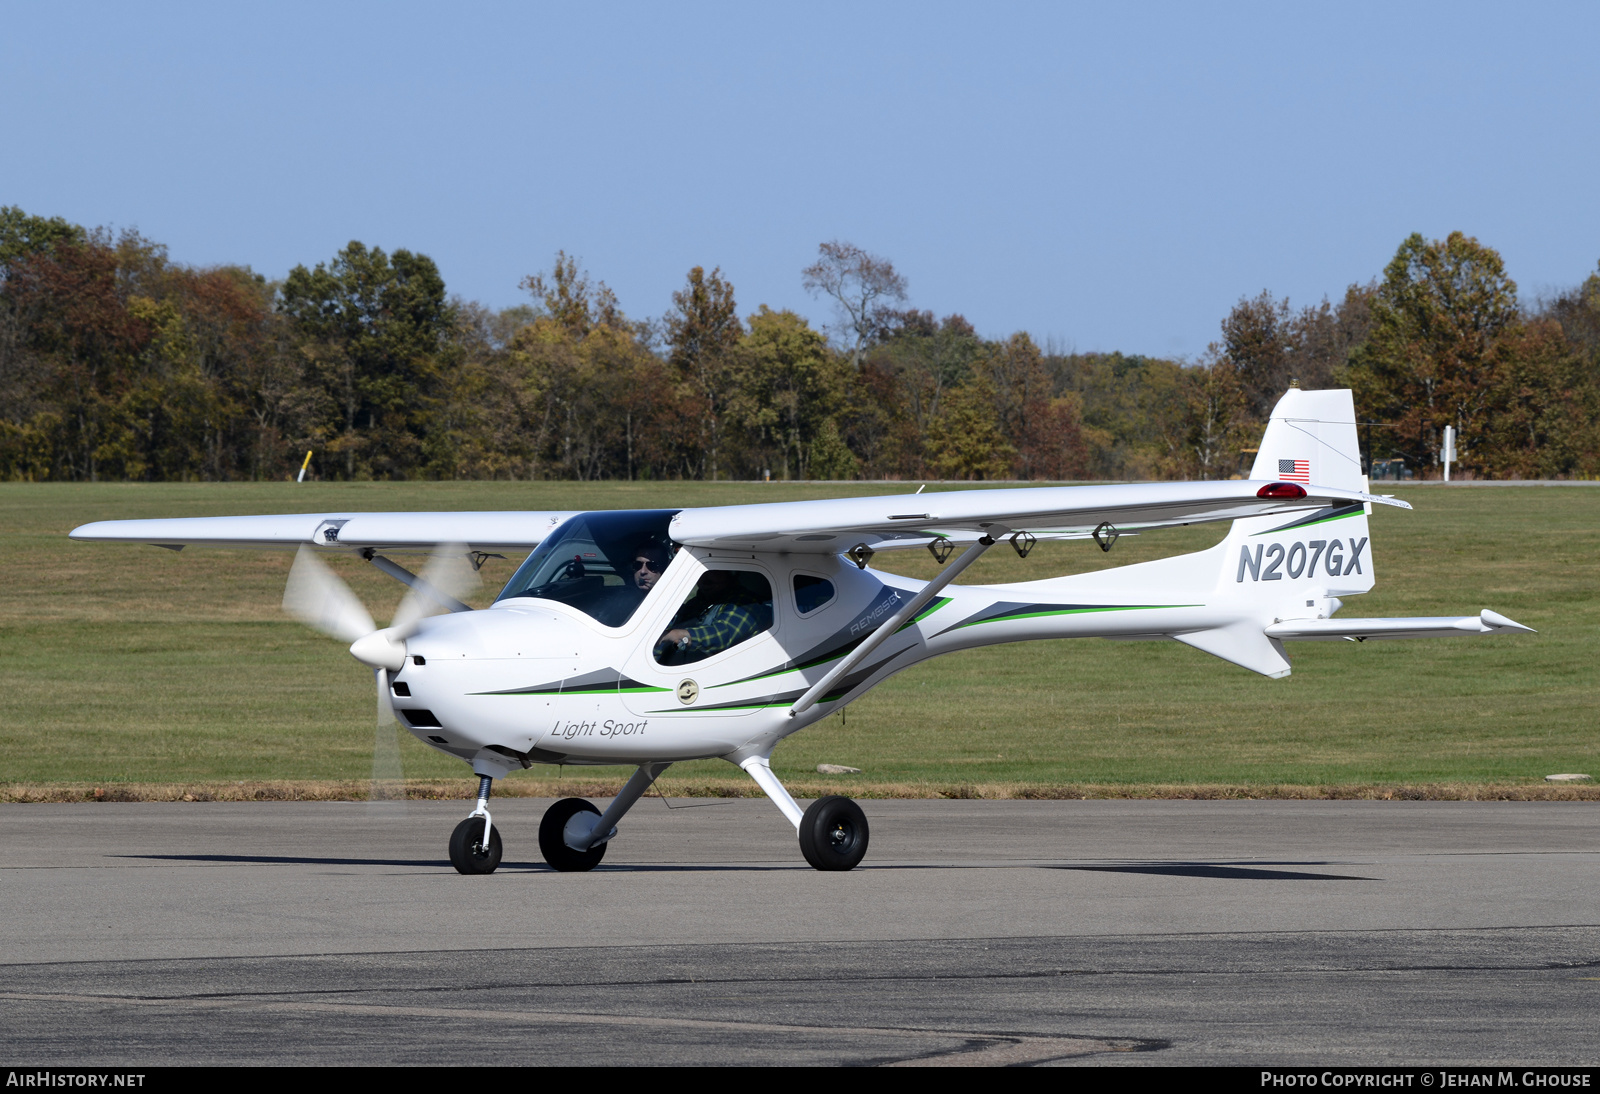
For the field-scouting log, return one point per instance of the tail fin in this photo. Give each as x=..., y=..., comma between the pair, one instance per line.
x=1311, y=439
x=1294, y=567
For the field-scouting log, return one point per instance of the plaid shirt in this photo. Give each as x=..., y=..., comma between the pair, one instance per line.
x=721, y=626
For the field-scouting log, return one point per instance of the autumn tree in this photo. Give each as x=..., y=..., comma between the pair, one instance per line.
x=1041, y=426
x=1431, y=359
x=1542, y=410
x=592, y=401
x=863, y=286
x=1266, y=344
x=23, y=238
x=1131, y=405
x=79, y=350
x=1213, y=423
x=915, y=362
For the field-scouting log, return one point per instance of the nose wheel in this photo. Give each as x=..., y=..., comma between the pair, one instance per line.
x=833, y=833
x=468, y=852
x=475, y=844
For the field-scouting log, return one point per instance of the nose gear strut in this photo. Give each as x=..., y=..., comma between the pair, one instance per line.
x=475, y=844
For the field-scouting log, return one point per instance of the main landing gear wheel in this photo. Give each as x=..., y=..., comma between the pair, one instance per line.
x=833, y=833
x=554, y=847
x=467, y=852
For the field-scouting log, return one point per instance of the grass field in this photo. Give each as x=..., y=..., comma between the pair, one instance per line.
x=125, y=666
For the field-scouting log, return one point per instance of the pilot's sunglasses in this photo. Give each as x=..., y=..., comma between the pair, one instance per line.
x=645, y=564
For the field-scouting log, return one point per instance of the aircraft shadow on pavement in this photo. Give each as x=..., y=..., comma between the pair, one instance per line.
x=420, y=863
x=1224, y=871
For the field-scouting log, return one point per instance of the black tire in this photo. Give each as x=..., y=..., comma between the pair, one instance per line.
x=555, y=849
x=467, y=852
x=833, y=834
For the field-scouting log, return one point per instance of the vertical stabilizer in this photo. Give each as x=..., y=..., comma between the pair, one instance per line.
x=1292, y=566
x=1286, y=561
x=1311, y=438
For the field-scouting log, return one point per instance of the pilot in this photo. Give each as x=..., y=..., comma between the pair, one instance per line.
x=719, y=616
x=649, y=563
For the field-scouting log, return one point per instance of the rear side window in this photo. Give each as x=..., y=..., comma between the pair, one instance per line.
x=811, y=593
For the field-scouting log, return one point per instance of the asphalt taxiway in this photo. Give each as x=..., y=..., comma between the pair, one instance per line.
x=1084, y=932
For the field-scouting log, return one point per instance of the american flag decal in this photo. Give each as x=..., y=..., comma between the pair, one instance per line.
x=1295, y=471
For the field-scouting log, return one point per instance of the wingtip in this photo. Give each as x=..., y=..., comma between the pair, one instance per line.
x=1499, y=622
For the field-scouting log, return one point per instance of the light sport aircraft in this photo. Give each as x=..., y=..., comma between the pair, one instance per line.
x=767, y=618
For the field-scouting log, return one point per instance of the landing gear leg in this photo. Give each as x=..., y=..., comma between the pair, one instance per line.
x=475, y=844
x=833, y=831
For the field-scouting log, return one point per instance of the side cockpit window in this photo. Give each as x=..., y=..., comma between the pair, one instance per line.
x=811, y=593
x=725, y=608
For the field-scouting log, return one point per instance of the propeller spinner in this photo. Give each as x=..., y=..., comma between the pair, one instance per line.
x=318, y=598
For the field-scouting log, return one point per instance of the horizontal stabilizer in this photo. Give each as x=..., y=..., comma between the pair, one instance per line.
x=1360, y=630
x=1243, y=644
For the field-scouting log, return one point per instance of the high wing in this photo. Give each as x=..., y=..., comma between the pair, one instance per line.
x=813, y=527
x=827, y=527
x=491, y=531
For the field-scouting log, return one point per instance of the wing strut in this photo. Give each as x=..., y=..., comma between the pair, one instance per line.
x=421, y=584
x=892, y=624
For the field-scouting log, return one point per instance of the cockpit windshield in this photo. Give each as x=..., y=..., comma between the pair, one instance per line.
x=602, y=564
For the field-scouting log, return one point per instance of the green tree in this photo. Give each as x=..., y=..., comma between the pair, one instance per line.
x=789, y=386
x=966, y=439
x=373, y=328
x=831, y=458
x=22, y=236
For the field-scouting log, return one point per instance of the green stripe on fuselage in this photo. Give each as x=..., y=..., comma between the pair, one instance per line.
x=1313, y=523
x=1073, y=611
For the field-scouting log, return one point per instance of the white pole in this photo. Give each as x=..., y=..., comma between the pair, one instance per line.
x=1449, y=453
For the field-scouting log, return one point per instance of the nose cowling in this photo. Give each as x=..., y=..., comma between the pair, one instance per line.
x=385, y=649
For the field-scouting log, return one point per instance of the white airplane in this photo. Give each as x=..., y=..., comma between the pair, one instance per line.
x=645, y=637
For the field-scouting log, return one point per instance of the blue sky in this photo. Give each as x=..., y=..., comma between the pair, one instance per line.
x=1107, y=176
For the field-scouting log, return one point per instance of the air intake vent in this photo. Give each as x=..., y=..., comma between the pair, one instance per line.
x=420, y=719
x=400, y=687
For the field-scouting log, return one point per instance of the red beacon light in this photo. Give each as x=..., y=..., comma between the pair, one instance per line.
x=1287, y=490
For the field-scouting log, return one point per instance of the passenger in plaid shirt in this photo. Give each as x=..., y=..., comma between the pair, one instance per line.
x=718, y=618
